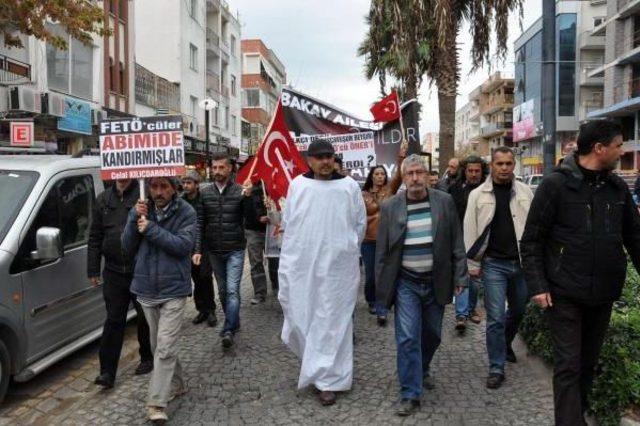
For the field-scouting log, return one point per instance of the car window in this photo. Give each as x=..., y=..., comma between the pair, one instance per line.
x=535, y=180
x=67, y=206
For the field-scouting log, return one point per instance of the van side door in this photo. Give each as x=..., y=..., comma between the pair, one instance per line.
x=60, y=303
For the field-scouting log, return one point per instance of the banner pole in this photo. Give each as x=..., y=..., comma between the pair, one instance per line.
x=143, y=195
x=401, y=122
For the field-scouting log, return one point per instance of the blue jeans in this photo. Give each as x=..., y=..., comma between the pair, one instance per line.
x=227, y=268
x=467, y=301
x=418, y=319
x=503, y=282
x=368, y=252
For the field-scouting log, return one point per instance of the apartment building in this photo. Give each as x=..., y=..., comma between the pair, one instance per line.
x=263, y=76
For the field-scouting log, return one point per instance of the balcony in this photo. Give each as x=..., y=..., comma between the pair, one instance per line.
x=213, y=81
x=497, y=103
x=588, y=41
x=13, y=71
x=213, y=42
x=493, y=129
x=589, y=106
x=625, y=91
x=587, y=79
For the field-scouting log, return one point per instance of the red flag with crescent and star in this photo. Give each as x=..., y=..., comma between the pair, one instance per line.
x=388, y=109
x=278, y=160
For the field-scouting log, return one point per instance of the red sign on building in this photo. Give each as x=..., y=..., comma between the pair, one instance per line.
x=21, y=134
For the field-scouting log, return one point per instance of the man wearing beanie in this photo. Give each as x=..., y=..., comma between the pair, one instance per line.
x=161, y=235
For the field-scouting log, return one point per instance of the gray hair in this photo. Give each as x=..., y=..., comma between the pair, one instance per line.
x=411, y=160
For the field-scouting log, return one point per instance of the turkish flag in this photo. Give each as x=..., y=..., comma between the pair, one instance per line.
x=388, y=109
x=243, y=173
x=278, y=160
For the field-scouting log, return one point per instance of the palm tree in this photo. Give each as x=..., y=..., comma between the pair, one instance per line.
x=411, y=39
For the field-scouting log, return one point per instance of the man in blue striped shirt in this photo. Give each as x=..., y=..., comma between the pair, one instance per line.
x=420, y=262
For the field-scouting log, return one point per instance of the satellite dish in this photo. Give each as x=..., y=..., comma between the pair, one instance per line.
x=208, y=104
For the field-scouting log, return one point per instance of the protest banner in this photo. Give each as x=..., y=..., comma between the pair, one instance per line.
x=308, y=118
x=357, y=150
x=141, y=147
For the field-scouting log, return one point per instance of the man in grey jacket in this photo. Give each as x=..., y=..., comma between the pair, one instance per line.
x=161, y=235
x=420, y=263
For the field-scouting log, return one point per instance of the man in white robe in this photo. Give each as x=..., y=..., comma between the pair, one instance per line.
x=324, y=222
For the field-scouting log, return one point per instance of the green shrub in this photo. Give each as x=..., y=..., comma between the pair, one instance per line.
x=617, y=384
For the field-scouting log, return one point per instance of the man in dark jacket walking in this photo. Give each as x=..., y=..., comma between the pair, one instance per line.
x=109, y=218
x=581, y=219
x=224, y=205
x=201, y=266
x=161, y=236
x=473, y=171
x=255, y=228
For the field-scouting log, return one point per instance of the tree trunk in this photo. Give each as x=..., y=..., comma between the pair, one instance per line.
x=447, y=110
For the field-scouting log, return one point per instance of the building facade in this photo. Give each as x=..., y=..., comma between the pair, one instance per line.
x=620, y=28
x=431, y=145
x=66, y=92
x=579, y=52
x=263, y=76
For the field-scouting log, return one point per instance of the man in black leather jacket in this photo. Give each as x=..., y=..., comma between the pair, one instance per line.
x=581, y=220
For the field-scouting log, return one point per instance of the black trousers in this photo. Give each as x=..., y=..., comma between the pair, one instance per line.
x=203, y=295
x=273, y=263
x=578, y=331
x=117, y=297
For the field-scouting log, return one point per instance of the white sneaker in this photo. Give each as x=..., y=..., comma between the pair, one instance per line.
x=157, y=414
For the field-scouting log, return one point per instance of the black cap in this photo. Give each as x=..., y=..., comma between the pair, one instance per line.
x=320, y=147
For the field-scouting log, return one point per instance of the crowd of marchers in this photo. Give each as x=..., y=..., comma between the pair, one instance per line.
x=423, y=242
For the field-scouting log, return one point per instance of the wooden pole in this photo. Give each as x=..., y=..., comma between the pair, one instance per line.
x=143, y=195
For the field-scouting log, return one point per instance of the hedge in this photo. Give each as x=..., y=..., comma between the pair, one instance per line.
x=616, y=387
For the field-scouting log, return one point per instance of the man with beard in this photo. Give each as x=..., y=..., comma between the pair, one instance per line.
x=225, y=206
x=324, y=223
x=473, y=173
x=109, y=218
x=582, y=218
x=201, y=269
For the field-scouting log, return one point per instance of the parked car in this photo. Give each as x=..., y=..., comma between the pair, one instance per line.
x=48, y=308
x=533, y=181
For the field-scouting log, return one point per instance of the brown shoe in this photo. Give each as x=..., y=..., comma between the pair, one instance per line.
x=475, y=317
x=327, y=398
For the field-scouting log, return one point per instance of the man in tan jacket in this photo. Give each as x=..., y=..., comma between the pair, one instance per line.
x=493, y=225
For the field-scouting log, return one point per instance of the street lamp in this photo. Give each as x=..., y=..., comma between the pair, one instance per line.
x=207, y=105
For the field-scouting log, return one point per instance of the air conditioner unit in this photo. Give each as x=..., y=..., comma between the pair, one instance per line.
x=22, y=98
x=98, y=115
x=53, y=104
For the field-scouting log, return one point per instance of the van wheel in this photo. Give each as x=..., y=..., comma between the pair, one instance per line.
x=5, y=370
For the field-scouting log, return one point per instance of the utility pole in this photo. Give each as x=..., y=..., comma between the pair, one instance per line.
x=548, y=104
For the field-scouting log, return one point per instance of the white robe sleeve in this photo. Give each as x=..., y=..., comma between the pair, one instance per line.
x=360, y=213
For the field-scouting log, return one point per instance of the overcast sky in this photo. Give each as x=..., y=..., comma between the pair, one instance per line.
x=317, y=42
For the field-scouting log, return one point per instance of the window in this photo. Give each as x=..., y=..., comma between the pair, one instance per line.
x=193, y=9
x=598, y=21
x=226, y=118
x=233, y=46
x=566, y=71
x=216, y=115
x=233, y=85
x=68, y=207
x=233, y=125
x=194, y=105
x=193, y=57
x=70, y=71
x=251, y=98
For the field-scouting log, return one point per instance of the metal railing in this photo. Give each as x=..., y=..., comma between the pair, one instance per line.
x=12, y=70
